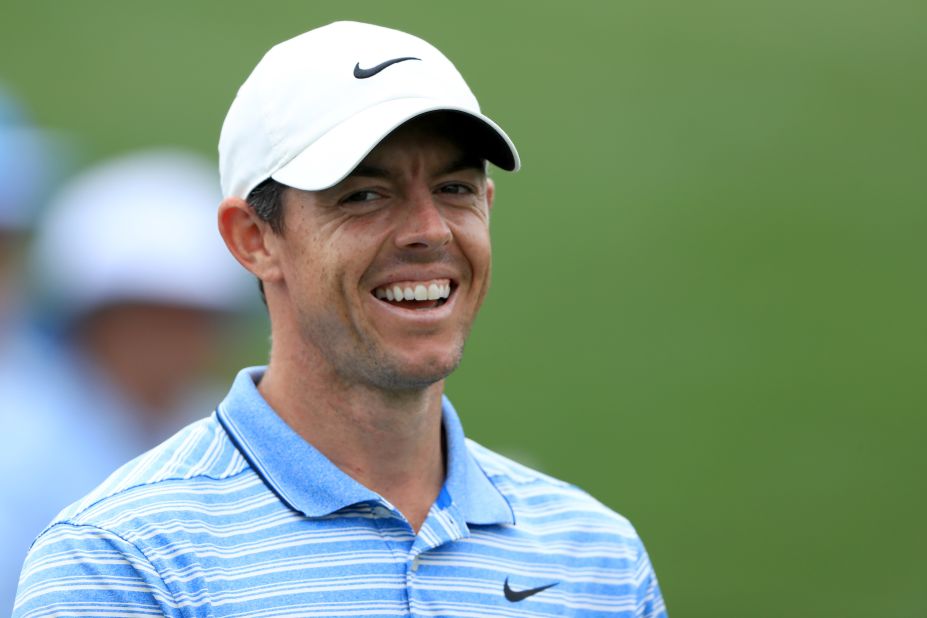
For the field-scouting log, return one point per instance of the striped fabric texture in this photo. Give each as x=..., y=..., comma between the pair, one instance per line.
x=238, y=516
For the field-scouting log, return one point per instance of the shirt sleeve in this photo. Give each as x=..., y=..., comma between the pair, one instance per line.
x=87, y=571
x=649, y=598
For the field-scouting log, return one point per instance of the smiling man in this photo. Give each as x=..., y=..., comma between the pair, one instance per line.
x=337, y=480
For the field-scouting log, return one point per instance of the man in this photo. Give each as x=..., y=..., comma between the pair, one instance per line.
x=338, y=481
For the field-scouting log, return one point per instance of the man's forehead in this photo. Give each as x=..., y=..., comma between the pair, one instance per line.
x=390, y=168
x=444, y=142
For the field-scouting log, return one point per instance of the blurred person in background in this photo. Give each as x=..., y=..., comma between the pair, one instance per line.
x=27, y=164
x=29, y=161
x=134, y=283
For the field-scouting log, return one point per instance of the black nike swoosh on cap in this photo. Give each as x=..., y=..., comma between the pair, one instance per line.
x=360, y=73
x=520, y=595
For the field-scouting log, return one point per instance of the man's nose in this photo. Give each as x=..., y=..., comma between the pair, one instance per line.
x=423, y=225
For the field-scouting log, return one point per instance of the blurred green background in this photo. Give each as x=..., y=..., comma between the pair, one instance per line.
x=709, y=297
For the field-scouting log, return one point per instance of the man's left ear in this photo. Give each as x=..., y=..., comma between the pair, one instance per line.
x=490, y=192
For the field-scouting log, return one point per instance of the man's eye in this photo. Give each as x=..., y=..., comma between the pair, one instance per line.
x=361, y=196
x=455, y=188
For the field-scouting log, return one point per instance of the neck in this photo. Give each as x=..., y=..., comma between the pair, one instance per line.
x=388, y=441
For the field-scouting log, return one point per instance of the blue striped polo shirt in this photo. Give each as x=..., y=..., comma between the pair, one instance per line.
x=237, y=515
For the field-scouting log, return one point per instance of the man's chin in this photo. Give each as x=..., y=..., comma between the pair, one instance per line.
x=418, y=380
x=417, y=373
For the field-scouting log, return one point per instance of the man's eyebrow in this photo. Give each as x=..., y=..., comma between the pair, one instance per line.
x=466, y=162
x=369, y=171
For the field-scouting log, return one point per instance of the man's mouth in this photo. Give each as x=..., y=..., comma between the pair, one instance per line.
x=415, y=294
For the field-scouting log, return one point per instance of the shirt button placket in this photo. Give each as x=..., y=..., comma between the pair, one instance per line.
x=411, y=571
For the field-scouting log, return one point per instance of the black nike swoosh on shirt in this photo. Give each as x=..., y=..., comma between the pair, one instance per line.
x=520, y=595
x=360, y=73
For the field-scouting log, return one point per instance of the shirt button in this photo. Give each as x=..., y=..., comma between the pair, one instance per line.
x=415, y=563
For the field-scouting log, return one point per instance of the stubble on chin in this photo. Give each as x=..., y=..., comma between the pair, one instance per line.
x=388, y=373
x=354, y=361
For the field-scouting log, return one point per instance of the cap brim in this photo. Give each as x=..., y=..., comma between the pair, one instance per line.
x=336, y=153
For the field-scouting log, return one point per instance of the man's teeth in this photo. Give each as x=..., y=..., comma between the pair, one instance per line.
x=424, y=290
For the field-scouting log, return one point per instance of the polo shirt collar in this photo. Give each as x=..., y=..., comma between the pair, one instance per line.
x=470, y=489
x=308, y=482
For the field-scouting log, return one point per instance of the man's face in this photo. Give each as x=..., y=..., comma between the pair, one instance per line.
x=384, y=273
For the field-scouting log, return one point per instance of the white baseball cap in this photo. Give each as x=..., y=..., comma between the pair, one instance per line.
x=317, y=104
x=138, y=228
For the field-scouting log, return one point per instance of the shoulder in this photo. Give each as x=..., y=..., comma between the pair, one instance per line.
x=541, y=499
x=120, y=546
x=559, y=522
x=195, y=463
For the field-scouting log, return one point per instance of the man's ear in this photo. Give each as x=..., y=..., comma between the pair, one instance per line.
x=490, y=192
x=247, y=238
